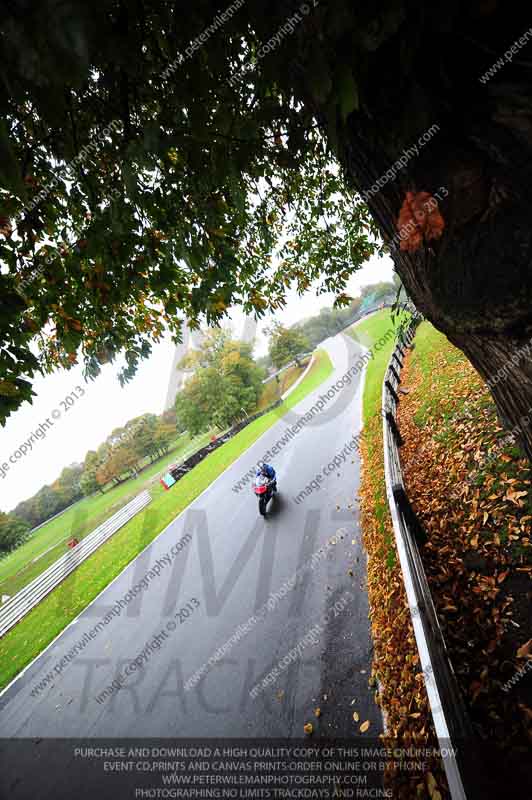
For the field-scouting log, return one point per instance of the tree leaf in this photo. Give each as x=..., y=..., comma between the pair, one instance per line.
x=348, y=99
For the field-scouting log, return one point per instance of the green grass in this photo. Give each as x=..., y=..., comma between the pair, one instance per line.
x=19, y=567
x=369, y=332
x=428, y=342
x=49, y=618
x=273, y=390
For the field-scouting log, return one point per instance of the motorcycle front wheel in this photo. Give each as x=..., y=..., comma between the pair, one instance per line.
x=262, y=506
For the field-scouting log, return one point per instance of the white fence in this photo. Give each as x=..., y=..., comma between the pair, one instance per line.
x=22, y=602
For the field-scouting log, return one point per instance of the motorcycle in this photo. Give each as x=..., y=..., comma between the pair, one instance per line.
x=264, y=488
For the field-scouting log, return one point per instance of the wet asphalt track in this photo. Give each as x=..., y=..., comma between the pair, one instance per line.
x=230, y=566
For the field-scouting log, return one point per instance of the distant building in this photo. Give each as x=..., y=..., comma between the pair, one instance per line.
x=250, y=330
x=191, y=340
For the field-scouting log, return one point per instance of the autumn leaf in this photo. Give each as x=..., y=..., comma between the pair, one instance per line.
x=433, y=787
x=365, y=726
x=6, y=228
x=8, y=388
x=525, y=650
x=308, y=728
x=356, y=716
x=514, y=496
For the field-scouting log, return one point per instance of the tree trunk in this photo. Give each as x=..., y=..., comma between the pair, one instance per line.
x=474, y=283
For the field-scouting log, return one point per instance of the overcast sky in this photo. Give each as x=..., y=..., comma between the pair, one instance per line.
x=105, y=405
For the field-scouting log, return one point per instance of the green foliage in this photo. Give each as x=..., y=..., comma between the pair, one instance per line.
x=139, y=435
x=124, y=451
x=286, y=344
x=48, y=544
x=265, y=364
x=226, y=383
x=123, y=454
x=89, y=483
x=138, y=190
x=330, y=321
x=50, y=500
x=13, y=532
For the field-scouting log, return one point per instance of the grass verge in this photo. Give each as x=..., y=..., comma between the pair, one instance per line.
x=21, y=644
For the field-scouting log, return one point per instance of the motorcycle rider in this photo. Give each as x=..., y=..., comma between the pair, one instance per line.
x=267, y=471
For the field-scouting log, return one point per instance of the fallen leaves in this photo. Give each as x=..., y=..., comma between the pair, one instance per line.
x=432, y=786
x=514, y=497
x=472, y=493
x=525, y=651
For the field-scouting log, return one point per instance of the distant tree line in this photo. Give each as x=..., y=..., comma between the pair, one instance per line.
x=121, y=456
x=332, y=320
x=125, y=449
x=287, y=343
x=13, y=532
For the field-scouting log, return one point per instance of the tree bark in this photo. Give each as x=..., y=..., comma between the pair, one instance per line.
x=474, y=283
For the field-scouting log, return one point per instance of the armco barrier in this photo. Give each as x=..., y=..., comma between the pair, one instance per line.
x=179, y=470
x=14, y=609
x=451, y=720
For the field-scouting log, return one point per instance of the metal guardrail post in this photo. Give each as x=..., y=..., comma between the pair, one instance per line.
x=395, y=374
x=392, y=391
x=393, y=426
x=399, y=362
